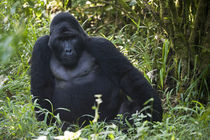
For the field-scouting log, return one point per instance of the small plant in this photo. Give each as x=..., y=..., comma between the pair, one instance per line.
x=96, y=108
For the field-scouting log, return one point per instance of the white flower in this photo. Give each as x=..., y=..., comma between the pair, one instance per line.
x=98, y=95
x=41, y=138
x=69, y=135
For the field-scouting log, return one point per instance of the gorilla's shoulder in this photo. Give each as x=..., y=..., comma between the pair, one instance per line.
x=42, y=42
x=43, y=38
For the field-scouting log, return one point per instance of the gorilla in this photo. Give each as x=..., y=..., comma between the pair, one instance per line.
x=68, y=68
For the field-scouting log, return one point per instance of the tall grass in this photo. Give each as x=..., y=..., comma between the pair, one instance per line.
x=182, y=119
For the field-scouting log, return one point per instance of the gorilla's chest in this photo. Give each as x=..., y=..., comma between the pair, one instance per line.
x=85, y=73
x=75, y=87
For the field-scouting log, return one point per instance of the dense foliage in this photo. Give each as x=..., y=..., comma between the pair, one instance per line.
x=167, y=40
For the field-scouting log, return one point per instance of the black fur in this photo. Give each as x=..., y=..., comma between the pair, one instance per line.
x=111, y=72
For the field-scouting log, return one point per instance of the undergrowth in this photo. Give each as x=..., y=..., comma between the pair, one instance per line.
x=181, y=120
x=183, y=117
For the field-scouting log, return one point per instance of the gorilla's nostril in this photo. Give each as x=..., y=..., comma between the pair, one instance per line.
x=68, y=50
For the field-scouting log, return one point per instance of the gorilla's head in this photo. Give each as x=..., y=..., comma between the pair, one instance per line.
x=66, y=39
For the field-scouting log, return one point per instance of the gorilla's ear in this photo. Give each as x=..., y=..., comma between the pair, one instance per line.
x=49, y=43
x=66, y=17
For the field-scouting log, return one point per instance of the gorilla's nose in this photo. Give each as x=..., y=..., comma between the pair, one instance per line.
x=68, y=51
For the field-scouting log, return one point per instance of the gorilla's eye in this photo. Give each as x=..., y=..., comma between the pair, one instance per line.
x=61, y=38
x=72, y=36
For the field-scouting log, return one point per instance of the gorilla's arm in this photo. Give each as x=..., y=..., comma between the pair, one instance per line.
x=118, y=68
x=41, y=77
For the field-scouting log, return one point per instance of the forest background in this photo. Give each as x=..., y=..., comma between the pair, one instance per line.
x=168, y=40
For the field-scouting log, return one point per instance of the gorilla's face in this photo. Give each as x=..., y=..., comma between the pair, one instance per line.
x=66, y=44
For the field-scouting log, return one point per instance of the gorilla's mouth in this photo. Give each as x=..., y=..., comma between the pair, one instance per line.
x=69, y=61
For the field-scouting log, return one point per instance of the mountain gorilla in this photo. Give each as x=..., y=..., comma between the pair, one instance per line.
x=69, y=67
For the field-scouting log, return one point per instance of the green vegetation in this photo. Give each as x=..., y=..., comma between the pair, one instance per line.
x=167, y=40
